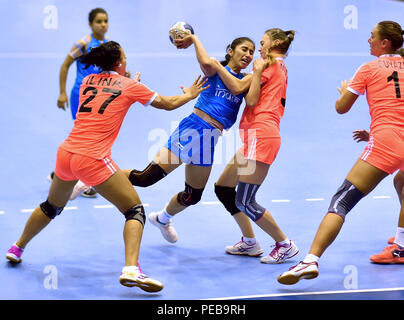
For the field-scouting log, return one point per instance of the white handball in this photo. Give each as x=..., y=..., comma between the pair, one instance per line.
x=180, y=30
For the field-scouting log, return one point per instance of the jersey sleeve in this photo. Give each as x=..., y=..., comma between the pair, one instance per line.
x=79, y=48
x=360, y=79
x=138, y=92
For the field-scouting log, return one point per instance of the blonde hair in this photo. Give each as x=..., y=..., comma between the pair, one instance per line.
x=285, y=39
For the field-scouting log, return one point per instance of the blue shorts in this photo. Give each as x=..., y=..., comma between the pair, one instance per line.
x=194, y=141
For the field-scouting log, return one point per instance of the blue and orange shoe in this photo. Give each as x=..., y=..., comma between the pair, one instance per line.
x=390, y=254
x=14, y=254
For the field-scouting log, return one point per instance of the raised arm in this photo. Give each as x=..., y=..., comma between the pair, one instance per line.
x=253, y=94
x=235, y=85
x=346, y=100
x=201, y=53
x=174, y=102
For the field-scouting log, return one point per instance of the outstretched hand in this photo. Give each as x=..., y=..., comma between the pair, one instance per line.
x=184, y=42
x=344, y=85
x=361, y=135
x=196, y=88
x=63, y=101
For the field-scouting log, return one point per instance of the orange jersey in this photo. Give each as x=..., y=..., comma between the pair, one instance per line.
x=271, y=103
x=383, y=81
x=105, y=99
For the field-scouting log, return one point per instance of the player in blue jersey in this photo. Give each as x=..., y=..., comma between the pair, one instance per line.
x=194, y=140
x=98, y=22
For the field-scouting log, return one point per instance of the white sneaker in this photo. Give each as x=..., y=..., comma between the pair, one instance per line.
x=78, y=189
x=132, y=276
x=280, y=253
x=242, y=248
x=167, y=229
x=299, y=271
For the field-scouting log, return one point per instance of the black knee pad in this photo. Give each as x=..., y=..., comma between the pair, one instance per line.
x=136, y=213
x=345, y=199
x=227, y=196
x=50, y=210
x=149, y=176
x=245, y=201
x=189, y=196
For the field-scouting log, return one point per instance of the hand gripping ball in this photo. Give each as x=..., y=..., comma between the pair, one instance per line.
x=180, y=30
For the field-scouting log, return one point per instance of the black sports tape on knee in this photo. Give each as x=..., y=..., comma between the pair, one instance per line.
x=136, y=213
x=346, y=197
x=50, y=210
x=227, y=196
x=245, y=200
x=149, y=176
x=189, y=196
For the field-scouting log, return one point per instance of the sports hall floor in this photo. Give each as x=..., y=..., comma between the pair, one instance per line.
x=80, y=254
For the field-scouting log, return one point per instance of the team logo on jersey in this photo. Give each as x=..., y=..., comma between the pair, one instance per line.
x=226, y=94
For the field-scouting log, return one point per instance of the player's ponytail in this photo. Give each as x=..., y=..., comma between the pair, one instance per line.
x=393, y=32
x=282, y=46
x=236, y=42
x=106, y=56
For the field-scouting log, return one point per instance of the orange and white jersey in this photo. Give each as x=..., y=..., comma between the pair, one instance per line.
x=383, y=81
x=271, y=103
x=105, y=99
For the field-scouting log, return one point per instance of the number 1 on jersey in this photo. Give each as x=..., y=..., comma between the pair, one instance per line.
x=394, y=77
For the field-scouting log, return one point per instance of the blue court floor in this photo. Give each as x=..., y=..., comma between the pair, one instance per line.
x=79, y=256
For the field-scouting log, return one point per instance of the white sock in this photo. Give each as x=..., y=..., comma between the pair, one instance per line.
x=285, y=243
x=163, y=217
x=249, y=241
x=399, y=237
x=311, y=258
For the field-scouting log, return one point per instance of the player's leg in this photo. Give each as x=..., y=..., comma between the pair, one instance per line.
x=42, y=215
x=118, y=190
x=225, y=190
x=360, y=181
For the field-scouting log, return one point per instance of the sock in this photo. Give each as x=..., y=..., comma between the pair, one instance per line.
x=164, y=217
x=399, y=237
x=249, y=241
x=311, y=258
x=285, y=243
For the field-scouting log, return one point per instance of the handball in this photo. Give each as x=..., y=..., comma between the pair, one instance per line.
x=180, y=30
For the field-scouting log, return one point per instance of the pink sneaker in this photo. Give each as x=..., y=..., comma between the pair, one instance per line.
x=14, y=254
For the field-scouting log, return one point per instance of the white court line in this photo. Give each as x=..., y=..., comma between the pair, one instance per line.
x=281, y=200
x=172, y=54
x=314, y=199
x=2, y=212
x=381, y=197
x=210, y=202
x=307, y=293
x=108, y=206
x=70, y=208
x=27, y=210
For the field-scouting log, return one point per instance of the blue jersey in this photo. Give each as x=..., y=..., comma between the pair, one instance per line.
x=218, y=102
x=80, y=48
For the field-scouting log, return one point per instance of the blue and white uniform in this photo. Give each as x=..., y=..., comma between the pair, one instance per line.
x=80, y=48
x=194, y=140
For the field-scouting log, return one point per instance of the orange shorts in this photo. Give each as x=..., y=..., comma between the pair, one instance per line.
x=385, y=150
x=260, y=145
x=92, y=172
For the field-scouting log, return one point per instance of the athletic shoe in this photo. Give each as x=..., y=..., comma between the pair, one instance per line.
x=132, y=276
x=78, y=189
x=14, y=253
x=90, y=193
x=391, y=254
x=242, y=248
x=391, y=240
x=167, y=229
x=300, y=271
x=281, y=253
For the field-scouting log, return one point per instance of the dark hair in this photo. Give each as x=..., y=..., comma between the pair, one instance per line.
x=285, y=37
x=236, y=42
x=393, y=32
x=105, y=56
x=94, y=12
